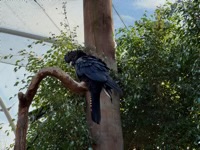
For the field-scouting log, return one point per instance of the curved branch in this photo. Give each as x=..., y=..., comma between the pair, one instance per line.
x=26, y=99
x=66, y=80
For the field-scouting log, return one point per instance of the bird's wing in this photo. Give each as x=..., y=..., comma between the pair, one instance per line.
x=92, y=67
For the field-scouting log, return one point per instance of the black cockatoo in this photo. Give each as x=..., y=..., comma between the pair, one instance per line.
x=94, y=72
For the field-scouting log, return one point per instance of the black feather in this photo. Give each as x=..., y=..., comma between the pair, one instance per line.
x=95, y=90
x=95, y=73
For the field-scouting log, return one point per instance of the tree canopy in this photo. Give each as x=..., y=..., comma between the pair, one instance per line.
x=159, y=60
x=159, y=72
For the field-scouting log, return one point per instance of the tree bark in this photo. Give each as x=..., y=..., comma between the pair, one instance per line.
x=98, y=31
x=26, y=99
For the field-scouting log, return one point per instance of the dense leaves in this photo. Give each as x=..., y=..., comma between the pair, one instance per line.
x=159, y=65
x=57, y=120
x=159, y=71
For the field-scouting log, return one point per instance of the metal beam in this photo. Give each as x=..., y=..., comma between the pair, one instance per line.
x=26, y=35
x=7, y=114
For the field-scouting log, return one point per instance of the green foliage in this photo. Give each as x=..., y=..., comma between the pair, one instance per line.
x=158, y=64
x=159, y=61
x=58, y=119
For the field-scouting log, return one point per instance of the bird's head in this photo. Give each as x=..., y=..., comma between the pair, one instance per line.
x=72, y=56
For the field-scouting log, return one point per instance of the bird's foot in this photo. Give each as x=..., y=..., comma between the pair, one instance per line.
x=83, y=84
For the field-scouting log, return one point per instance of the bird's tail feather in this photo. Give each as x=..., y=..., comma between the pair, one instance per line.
x=114, y=85
x=95, y=113
x=108, y=92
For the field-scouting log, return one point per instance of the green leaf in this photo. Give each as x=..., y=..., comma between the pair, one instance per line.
x=16, y=83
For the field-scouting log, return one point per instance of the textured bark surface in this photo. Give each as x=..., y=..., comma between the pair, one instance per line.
x=108, y=134
x=26, y=99
x=98, y=30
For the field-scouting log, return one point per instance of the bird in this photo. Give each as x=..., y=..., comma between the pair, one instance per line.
x=95, y=73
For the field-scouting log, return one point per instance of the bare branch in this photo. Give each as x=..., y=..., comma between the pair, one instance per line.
x=26, y=99
x=66, y=80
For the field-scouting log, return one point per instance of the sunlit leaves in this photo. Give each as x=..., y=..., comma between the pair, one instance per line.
x=57, y=120
x=157, y=63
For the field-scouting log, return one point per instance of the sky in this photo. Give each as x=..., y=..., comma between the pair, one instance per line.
x=43, y=18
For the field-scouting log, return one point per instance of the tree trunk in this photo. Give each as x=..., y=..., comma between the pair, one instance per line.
x=98, y=32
